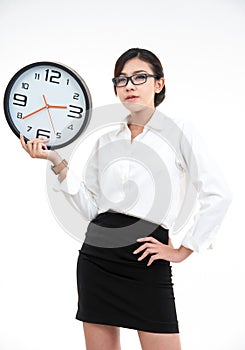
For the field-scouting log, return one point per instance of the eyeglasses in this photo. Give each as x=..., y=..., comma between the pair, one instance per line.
x=135, y=79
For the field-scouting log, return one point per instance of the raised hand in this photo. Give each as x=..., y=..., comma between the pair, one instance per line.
x=161, y=251
x=36, y=148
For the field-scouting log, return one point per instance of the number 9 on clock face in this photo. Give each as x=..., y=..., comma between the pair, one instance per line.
x=50, y=100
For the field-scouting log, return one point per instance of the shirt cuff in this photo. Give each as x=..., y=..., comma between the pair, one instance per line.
x=201, y=245
x=71, y=184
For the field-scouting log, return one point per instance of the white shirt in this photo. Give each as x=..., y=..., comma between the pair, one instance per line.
x=164, y=170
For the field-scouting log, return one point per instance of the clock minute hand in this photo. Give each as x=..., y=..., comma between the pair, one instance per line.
x=30, y=114
x=63, y=107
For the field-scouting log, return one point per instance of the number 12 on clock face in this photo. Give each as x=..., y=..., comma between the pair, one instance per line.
x=48, y=99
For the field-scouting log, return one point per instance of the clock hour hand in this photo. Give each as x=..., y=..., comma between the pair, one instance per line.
x=30, y=114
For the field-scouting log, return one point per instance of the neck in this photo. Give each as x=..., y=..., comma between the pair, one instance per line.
x=142, y=117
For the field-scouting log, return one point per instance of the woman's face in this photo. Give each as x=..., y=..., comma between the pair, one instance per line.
x=137, y=97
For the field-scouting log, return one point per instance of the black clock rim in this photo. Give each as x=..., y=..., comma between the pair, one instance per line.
x=74, y=74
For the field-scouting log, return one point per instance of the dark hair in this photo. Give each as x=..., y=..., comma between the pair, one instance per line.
x=147, y=56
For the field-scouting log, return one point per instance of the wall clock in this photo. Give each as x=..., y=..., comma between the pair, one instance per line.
x=48, y=99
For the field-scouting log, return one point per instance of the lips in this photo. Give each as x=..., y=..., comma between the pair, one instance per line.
x=131, y=98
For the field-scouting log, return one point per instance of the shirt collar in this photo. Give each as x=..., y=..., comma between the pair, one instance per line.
x=156, y=122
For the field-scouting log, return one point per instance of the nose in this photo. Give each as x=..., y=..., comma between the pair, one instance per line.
x=130, y=85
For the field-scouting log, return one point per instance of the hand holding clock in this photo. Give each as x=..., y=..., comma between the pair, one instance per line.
x=37, y=148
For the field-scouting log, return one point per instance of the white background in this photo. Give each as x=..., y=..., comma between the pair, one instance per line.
x=201, y=46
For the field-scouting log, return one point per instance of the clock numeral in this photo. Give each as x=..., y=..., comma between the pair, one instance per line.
x=37, y=76
x=20, y=100
x=67, y=81
x=51, y=78
x=42, y=132
x=76, y=96
x=58, y=135
x=76, y=112
x=70, y=127
x=19, y=115
x=29, y=128
x=25, y=86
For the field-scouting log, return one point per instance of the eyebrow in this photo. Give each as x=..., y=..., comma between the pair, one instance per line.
x=135, y=72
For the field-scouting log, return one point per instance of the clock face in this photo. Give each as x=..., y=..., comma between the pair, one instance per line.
x=47, y=99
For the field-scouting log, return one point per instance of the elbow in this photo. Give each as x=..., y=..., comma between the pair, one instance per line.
x=222, y=202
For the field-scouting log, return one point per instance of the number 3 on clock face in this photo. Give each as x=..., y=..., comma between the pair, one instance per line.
x=48, y=99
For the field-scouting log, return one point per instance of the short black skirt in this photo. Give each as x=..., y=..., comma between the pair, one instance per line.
x=114, y=288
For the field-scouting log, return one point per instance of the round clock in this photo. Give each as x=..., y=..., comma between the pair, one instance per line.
x=48, y=99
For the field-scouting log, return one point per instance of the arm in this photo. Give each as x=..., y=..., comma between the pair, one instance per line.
x=214, y=195
x=75, y=191
x=180, y=254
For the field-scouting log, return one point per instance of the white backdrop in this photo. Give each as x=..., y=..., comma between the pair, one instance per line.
x=201, y=45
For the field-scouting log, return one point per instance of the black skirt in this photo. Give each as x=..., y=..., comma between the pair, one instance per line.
x=114, y=288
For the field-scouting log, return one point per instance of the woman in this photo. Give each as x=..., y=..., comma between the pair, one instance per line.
x=130, y=285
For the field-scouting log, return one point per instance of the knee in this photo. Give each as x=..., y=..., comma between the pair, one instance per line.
x=99, y=336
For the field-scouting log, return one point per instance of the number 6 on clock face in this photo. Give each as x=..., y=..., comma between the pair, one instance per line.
x=48, y=99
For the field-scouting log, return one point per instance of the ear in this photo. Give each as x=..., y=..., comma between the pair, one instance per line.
x=159, y=85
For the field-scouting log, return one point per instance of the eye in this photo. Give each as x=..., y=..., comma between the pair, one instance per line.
x=120, y=80
x=139, y=77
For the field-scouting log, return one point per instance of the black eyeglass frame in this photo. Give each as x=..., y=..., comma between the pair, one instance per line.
x=130, y=78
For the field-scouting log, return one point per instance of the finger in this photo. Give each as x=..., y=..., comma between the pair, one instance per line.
x=37, y=142
x=149, y=238
x=142, y=256
x=33, y=147
x=36, y=147
x=146, y=252
x=44, y=147
x=38, y=151
x=143, y=246
x=42, y=141
x=42, y=150
x=29, y=146
x=152, y=258
x=22, y=140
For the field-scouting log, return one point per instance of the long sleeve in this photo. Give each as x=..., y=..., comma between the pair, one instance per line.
x=213, y=193
x=80, y=194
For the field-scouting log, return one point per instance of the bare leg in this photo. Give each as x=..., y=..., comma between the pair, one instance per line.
x=101, y=337
x=159, y=341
